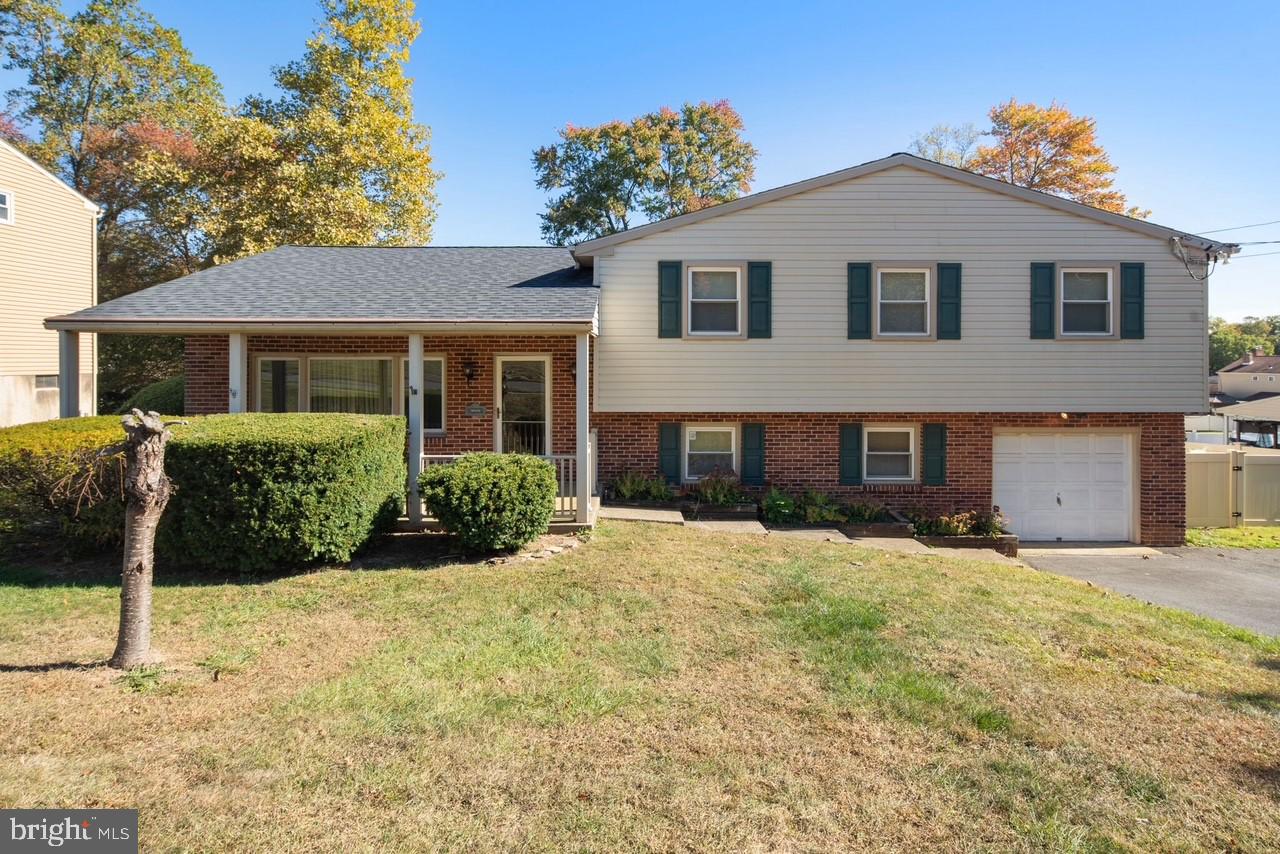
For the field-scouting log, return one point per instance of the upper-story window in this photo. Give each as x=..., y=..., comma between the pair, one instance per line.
x=1086, y=301
x=902, y=297
x=715, y=295
x=6, y=207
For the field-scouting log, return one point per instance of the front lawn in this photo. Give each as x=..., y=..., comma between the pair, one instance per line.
x=656, y=688
x=1265, y=537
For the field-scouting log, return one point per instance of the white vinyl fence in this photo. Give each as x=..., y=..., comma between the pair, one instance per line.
x=1230, y=488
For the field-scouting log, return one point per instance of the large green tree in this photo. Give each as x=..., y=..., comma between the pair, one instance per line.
x=1230, y=341
x=658, y=165
x=357, y=166
x=109, y=91
x=116, y=105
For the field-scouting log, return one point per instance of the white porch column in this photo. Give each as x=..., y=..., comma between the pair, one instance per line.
x=416, y=380
x=583, y=429
x=68, y=373
x=237, y=372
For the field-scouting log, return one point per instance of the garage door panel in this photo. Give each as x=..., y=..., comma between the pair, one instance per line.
x=1064, y=486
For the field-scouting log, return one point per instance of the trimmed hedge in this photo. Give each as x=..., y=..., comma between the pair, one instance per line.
x=40, y=466
x=492, y=502
x=263, y=492
x=254, y=493
x=168, y=397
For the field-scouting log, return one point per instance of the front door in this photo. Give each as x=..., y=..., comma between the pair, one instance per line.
x=522, y=405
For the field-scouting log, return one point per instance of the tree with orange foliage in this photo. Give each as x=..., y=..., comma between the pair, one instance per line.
x=1049, y=149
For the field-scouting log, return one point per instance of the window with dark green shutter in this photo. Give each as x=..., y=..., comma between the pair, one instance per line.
x=669, y=451
x=753, y=454
x=759, y=299
x=948, y=301
x=1132, y=300
x=850, y=454
x=1042, y=300
x=934, y=452
x=859, y=300
x=669, y=299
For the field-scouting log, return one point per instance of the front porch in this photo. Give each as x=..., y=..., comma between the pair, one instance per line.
x=459, y=393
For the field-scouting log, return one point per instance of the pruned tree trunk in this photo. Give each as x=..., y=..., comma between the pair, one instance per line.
x=147, y=490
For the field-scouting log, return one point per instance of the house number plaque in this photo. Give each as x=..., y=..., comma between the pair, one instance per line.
x=476, y=410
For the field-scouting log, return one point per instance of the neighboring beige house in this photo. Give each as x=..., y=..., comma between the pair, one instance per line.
x=48, y=235
x=1250, y=376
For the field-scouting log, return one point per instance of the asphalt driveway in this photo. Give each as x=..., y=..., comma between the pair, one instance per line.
x=1238, y=586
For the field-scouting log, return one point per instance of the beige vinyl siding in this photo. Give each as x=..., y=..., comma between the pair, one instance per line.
x=46, y=268
x=810, y=365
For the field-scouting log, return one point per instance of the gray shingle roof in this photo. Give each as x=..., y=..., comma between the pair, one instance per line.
x=327, y=283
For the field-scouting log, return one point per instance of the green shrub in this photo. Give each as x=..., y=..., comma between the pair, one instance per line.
x=637, y=486
x=492, y=502
x=165, y=397
x=818, y=507
x=866, y=513
x=264, y=492
x=52, y=478
x=720, y=489
x=778, y=508
x=973, y=523
x=253, y=493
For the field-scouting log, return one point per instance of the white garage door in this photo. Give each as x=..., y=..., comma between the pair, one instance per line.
x=1065, y=486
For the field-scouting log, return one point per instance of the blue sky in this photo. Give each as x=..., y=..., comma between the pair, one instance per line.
x=1185, y=95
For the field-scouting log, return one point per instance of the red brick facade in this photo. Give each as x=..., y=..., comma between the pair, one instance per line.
x=207, y=366
x=801, y=449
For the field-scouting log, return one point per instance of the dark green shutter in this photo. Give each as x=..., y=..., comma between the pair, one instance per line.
x=850, y=454
x=1132, y=300
x=935, y=454
x=948, y=301
x=669, y=299
x=669, y=451
x=753, y=454
x=1042, y=299
x=759, y=299
x=859, y=300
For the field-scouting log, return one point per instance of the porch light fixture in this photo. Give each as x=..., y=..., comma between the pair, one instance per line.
x=469, y=369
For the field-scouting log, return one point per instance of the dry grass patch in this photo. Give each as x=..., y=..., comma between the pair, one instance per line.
x=1262, y=537
x=657, y=688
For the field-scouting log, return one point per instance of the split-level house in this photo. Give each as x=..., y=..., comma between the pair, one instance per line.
x=899, y=332
x=48, y=250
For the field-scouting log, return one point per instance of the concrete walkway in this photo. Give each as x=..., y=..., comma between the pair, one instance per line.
x=900, y=545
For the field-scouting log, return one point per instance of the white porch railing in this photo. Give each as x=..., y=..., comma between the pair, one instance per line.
x=566, y=466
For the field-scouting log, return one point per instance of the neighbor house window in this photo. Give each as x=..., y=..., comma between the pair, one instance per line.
x=1086, y=302
x=364, y=386
x=278, y=385
x=714, y=294
x=46, y=382
x=709, y=448
x=902, y=297
x=432, y=392
x=889, y=453
x=6, y=207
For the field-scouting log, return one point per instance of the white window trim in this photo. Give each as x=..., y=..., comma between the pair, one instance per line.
x=737, y=301
x=444, y=393
x=8, y=196
x=304, y=361
x=928, y=307
x=498, y=359
x=1062, y=302
x=913, y=450
x=686, y=429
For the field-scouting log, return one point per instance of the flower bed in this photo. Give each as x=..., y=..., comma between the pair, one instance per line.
x=971, y=529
